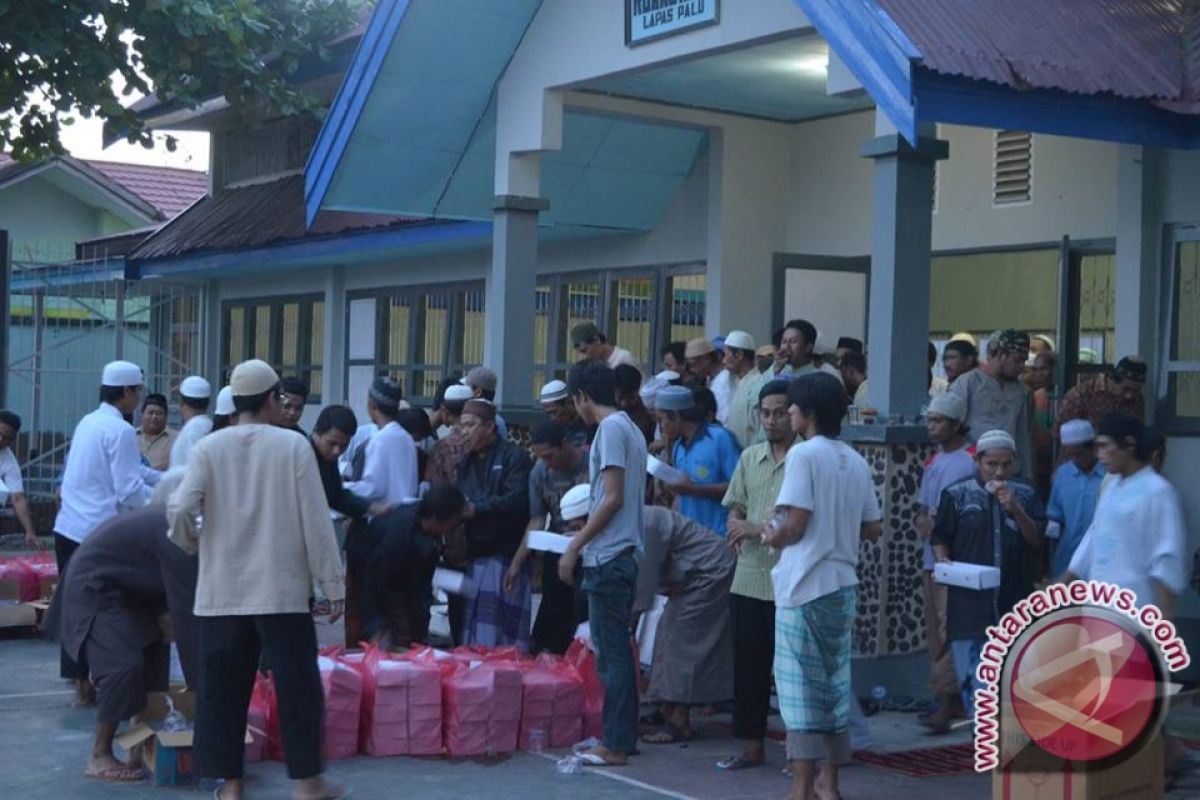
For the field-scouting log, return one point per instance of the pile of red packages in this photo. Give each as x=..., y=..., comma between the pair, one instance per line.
x=31, y=575
x=401, y=704
x=343, y=687
x=552, y=702
x=481, y=706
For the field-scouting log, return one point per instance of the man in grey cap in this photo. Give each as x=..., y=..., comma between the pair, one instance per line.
x=266, y=542
x=992, y=519
x=194, y=395
x=104, y=475
x=482, y=383
x=951, y=463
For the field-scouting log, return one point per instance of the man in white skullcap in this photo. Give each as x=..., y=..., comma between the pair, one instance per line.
x=558, y=406
x=266, y=542
x=1074, y=492
x=742, y=419
x=224, y=413
x=104, y=475
x=953, y=462
x=194, y=396
x=990, y=518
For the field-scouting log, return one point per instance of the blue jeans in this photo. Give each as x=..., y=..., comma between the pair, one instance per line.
x=965, y=653
x=610, y=589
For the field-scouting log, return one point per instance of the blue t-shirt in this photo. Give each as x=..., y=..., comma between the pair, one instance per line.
x=711, y=458
x=1073, y=497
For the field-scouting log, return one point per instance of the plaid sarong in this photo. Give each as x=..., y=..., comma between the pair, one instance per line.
x=812, y=670
x=493, y=618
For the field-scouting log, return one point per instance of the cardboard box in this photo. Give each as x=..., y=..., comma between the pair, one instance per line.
x=966, y=576
x=1036, y=775
x=17, y=615
x=548, y=542
x=166, y=755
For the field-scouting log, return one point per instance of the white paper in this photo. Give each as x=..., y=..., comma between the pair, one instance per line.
x=648, y=629
x=663, y=471
x=548, y=542
x=453, y=582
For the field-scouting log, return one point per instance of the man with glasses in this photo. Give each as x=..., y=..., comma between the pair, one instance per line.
x=10, y=477
x=996, y=399
x=591, y=344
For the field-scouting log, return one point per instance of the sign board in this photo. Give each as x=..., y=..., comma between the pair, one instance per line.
x=647, y=20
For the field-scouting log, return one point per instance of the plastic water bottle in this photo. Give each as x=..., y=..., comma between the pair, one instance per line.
x=537, y=741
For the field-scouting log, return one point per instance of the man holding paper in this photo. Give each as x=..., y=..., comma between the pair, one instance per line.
x=992, y=519
x=705, y=453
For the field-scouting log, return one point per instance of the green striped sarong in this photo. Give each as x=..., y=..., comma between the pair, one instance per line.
x=812, y=675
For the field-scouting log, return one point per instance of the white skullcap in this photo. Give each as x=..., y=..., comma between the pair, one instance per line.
x=122, y=373
x=251, y=378
x=553, y=391
x=576, y=503
x=458, y=393
x=225, y=405
x=650, y=390
x=740, y=339
x=995, y=440
x=948, y=405
x=195, y=387
x=1077, y=431
x=667, y=376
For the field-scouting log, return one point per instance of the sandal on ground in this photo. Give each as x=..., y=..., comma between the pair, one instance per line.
x=740, y=762
x=125, y=774
x=669, y=733
x=591, y=758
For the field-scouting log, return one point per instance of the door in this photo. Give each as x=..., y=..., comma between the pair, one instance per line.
x=829, y=291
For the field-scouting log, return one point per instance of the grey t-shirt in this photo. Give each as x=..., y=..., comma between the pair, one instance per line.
x=546, y=489
x=618, y=443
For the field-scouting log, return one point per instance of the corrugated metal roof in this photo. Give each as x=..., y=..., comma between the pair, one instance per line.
x=169, y=189
x=1128, y=48
x=254, y=216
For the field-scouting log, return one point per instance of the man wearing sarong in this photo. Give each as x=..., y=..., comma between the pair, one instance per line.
x=120, y=582
x=693, y=647
x=826, y=507
x=494, y=476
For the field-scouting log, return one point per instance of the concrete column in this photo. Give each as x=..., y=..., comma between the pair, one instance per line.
x=898, y=324
x=333, y=342
x=213, y=336
x=511, y=282
x=1139, y=226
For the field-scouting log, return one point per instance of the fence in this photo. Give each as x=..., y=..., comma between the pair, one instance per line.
x=67, y=320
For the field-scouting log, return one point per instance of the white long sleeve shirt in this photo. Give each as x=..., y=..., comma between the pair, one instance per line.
x=192, y=431
x=103, y=475
x=390, y=472
x=723, y=385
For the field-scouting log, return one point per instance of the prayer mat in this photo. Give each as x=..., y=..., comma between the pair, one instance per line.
x=953, y=759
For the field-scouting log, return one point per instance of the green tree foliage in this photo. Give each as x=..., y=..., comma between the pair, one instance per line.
x=56, y=57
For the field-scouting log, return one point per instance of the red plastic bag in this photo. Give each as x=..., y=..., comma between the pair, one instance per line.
x=257, y=718
x=23, y=578
x=481, y=707
x=274, y=737
x=552, y=701
x=343, y=687
x=581, y=657
x=402, y=704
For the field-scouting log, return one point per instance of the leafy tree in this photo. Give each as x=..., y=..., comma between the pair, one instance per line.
x=57, y=56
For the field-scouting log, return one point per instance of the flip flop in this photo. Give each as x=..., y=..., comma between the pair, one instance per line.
x=125, y=774
x=591, y=759
x=739, y=762
x=671, y=732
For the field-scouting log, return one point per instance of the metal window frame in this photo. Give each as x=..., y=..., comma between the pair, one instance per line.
x=1167, y=420
x=304, y=332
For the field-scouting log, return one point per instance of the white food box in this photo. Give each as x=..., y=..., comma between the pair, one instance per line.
x=548, y=542
x=647, y=629
x=453, y=582
x=663, y=471
x=966, y=576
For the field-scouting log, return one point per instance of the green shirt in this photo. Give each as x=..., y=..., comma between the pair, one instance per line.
x=753, y=491
x=743, y=420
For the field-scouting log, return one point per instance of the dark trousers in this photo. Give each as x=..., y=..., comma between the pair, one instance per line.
x=753, y=656
x=229, y=657
x=610, y=589
x=563, y=608
x=123, y=668
x=68, y=667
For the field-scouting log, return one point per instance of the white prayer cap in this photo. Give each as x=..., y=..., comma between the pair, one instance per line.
x=225, y=402
x=122, y=373
x=251, y=378
x=948, y=405
x=1077, y=431
x=740, y=339
x=553, y=391
x=576, y=503
x=650, y=390
x=458, y=393
x=195, y=387
x=995, y=440
x=667, y=376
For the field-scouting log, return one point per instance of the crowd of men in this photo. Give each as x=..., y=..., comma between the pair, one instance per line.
x=750, y=524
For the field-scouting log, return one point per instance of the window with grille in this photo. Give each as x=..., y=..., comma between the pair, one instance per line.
x=1012, y=168
x=1179, y=388
x=286, y=332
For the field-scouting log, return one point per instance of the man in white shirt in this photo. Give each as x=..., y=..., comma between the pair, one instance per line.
x=591, y=343
x=742, y=418
x=104, y=475
x=826, y=507
x=704, y=364
x=265, y=542
x=10, y=477
x=194, y=395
